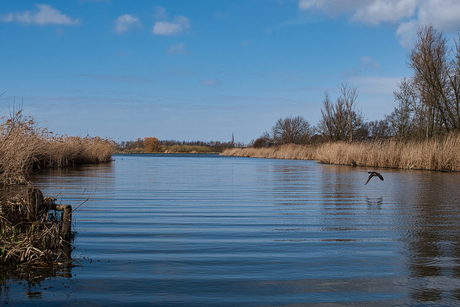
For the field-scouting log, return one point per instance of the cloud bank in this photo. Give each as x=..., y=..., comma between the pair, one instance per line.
x=46, y=14
x=126, y=23
x=210, y=82
x=407, y=15
x=168, y=28
x=178, y=49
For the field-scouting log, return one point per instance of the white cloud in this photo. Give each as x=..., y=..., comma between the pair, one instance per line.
x=220, y=15
x=210, y=82
x=370, y=63
x=126, y=23
x=46, y=14
x=167, y=28
x=407, y=15
x=178, y=49
x=160, y=13
x=332, y=7
x=379, y=11
x=367, y=11
x=406, y=33
x=444, y=15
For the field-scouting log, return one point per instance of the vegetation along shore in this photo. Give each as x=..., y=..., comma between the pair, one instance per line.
x=35, y=231
x=441, y=154
x=422, y=132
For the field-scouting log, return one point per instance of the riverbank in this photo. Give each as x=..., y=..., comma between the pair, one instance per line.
x=33, y=234
x=441, y=154
x=25, y=148
x=193, y=149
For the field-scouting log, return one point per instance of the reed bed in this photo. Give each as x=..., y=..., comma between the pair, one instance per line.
x=30, y=243
x=24, y=147
x=288, y=151
x=440, y=154
x=188, y=149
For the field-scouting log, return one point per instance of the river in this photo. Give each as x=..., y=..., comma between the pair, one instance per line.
x=208, y=230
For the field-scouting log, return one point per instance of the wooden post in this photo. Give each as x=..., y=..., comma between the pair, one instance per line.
x=66, y=217
x=31, y=204
x=66, y=220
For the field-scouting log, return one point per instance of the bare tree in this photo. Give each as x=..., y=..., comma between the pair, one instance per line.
x=333, y=119
x=401, y=120
x=291, y=130
x=340, y=121
x=436, y=80
x=327, y=121
x=352, y=118
x=263, y=141
x=374, y=129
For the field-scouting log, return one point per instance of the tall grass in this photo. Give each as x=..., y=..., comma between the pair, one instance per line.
x=25, y=147
x=441, y=154
x=288, y=151
x=23, y=241
x=188, y=149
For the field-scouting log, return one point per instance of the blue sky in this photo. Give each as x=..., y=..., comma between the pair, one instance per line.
x=202, y=70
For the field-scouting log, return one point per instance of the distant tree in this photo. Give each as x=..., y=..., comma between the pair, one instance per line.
x=139, y=143
x=353, y=119
x=291, y=130
x=436, y=78
x=340, y=121
x=379, y=128
x=263, y=141
x=151, y=144
x=327, y=124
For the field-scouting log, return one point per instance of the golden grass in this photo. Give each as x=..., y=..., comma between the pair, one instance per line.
x=26, y=242
x=188, y=149
x=441, y=154
x=23, y=148
x=288, y=151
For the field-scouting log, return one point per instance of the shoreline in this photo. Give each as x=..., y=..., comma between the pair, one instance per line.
x=433, y=155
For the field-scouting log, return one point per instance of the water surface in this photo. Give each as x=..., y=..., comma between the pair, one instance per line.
x=205, y=230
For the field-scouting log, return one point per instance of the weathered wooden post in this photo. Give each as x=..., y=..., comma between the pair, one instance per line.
x=32, y=204
x=66, y=218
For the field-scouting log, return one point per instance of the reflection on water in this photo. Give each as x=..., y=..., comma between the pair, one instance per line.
x=223, y=231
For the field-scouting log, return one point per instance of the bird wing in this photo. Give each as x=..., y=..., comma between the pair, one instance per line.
x=370, y=176
x=381, y=177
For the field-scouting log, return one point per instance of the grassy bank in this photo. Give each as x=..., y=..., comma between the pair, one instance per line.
x=30, y=230
x=289, y=151
x=188, y=149
x=173, y=149
x=442, y=154
x=24, y=148
x=27, y=240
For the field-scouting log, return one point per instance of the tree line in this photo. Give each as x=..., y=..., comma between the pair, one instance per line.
x=427, y=103
x=152, y=144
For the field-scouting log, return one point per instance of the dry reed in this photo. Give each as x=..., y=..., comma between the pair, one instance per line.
x=441, y=154
x=31, y=243
x=24, y=147
x=288, y=151
x=188, y=149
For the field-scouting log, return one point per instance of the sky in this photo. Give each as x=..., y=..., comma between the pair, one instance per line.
x=204, y=70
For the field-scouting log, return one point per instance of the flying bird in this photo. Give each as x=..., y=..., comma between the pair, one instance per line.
x=372, y=174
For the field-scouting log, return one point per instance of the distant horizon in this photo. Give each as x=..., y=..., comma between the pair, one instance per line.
x=184, y=70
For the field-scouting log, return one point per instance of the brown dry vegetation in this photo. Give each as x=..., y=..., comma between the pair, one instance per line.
x=288, y=151
x=441, y=154
x=188, y=149
x=26, y=242
x=24, y=147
